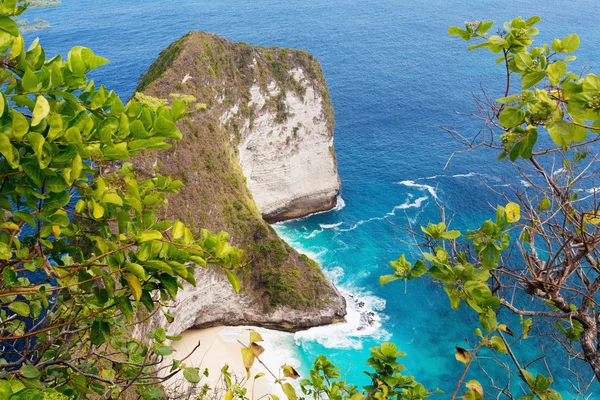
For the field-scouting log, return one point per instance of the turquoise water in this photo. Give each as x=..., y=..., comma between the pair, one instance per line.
x=394, y=77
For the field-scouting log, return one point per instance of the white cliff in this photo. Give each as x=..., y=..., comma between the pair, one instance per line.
x=289, y=165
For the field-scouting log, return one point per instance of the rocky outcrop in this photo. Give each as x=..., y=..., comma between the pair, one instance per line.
x=261, y=146
x=289, y=161
x=212, y=302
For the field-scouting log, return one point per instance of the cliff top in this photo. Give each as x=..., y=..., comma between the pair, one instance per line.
x=219, y=73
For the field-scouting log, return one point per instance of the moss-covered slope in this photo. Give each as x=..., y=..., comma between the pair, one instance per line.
x=219, y=73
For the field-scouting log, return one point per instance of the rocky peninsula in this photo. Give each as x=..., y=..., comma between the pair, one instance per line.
x=261, y=151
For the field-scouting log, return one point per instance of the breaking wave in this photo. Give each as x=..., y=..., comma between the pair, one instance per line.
x=363, y=319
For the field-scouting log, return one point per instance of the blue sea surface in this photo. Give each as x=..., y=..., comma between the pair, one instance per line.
x=395, y=77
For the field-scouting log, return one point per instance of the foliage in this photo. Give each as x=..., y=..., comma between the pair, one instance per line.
x=324, y=380
x=84, y=256
x=552, y=115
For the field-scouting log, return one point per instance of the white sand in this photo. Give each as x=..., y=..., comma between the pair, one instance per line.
x=218, y=348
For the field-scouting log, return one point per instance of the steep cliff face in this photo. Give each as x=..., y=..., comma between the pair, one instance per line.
x=287, y=156
x=262, y=147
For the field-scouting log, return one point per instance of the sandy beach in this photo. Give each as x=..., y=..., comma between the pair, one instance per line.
x=219, y=346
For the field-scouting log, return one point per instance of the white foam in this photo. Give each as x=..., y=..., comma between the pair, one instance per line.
x=335, y=274
x=525, y=183
x=364, y=317
x=340, y=204
x=469, y=175
x=359, y=223
x=330, y=226
x=419, y=186
x=362, y=320
x=416, y=204
x=313, y=233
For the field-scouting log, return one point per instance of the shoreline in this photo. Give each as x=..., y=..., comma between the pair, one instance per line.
x=219, y=346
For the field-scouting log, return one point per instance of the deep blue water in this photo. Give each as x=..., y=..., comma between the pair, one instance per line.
x=395, y=77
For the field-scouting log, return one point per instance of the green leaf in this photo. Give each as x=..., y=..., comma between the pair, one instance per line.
x=125, y=307
x=91, y=60
x=532, y=78
x=163, y=350
x=9, y=152
x=450, y=234
x=137, y=270
x=75, y=63
x=556, y=71
x=178, y=108
x=150, y=235
x=37, y=142
x=289, y=391
x=5, y=389
x=454, y=30
x=389, y=349
x=255, y=337
x=56, y=201
x=20, y=308
x=97, y=210
x=76, y=167
x=418, y=270
x=30, y=371
x=523, y=61
x=385, y=279
x=135, y=286
x=170, y=284
x=570, y=43
x=511, y=116
x=191, y=374
x=178, y=230
x=56, y=126
x=526, y=326
x=564, y=133
x=41, y=110
x=24, y=216
x=498, y=344
x=488, y=320
x=234, y=280
x=9, y=26
x=29, y=82
x=20, y=126
x=100, y=332
x=166, y=128
x=113, y=198
x=116, y=152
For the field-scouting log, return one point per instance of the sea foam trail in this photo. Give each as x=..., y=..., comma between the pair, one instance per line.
x=322, y=228
x=420, y=186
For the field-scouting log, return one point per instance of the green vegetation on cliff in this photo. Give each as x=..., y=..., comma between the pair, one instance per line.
x=220, y=74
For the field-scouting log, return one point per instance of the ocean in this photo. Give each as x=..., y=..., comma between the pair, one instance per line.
x=395, y=77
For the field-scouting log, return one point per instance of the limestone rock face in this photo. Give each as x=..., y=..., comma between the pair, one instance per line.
x=289, y=163
x=262, y=147
x=212, y=302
